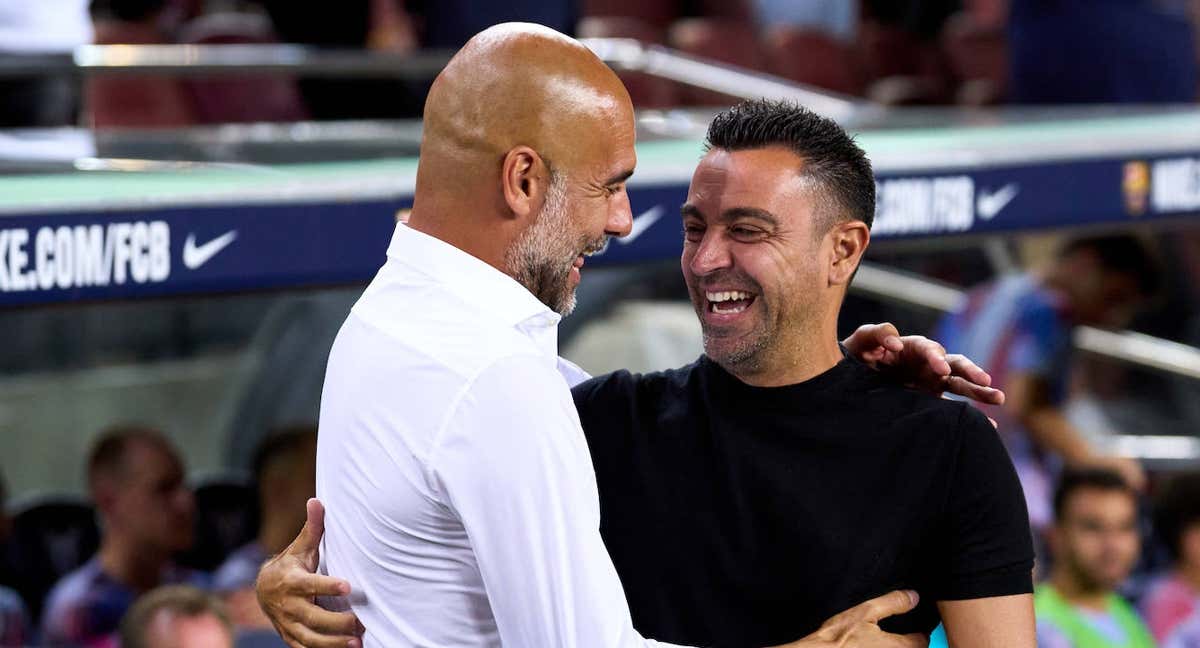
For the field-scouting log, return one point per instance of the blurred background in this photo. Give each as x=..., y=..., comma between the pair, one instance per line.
x=194, y=192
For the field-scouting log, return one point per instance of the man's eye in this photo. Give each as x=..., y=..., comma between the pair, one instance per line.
x=745, y=232
x=693, y=232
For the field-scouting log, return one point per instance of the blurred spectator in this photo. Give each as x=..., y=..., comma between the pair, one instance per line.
x=285, y=467
x=1175, y=598
x=921, y=18
x=1187, y=635
x=41, y=27
x=135, y=478
x=177, y=616
x=449, y=24
x=1101, y=51
x=837, y=18
x=1020, y=329
x=14, y=620
x=1095, y=544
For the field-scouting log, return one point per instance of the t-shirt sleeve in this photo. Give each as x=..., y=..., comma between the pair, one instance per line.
x=986, y=533
x=1041, y=345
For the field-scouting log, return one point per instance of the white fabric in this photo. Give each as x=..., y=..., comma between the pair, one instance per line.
x=459, y=491
x=44, y=26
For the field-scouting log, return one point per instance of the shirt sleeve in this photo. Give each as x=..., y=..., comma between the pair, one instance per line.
x=988, y=542
x=513, y=463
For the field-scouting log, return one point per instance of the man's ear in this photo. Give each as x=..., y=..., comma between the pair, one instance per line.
x=850, y=240
x=525, y=179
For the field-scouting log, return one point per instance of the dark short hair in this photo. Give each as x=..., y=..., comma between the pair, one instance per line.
x=107, y=457
x=281, y=444
x=1122, y=254
x=831, y=157
x=1074, y=480
x=1177, y=508
x=181, y=600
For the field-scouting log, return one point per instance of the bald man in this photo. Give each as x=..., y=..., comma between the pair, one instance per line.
x=461, y=495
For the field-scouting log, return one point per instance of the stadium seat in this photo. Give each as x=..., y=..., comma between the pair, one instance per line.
x=814, y=58
x=977, y=55
x=710, y=38
x=646, y=91
x=658, y=13
x=50, y=538
x=127, y=101
x=226, y=518
x=252, y=98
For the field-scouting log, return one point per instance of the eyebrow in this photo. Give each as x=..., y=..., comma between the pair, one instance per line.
x=733, y=214
x=619, y=178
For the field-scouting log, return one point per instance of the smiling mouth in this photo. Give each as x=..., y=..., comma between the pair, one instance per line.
x=728, y=302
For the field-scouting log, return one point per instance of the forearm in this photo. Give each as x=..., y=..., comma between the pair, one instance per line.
x=1051, y=430
x=996, y=622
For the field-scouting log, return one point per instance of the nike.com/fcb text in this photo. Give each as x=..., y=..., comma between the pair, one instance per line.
x=84, y=255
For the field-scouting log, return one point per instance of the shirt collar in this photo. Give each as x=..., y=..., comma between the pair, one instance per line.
x=473, y=280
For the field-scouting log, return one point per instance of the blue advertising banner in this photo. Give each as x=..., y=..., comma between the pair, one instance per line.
x=154, y=251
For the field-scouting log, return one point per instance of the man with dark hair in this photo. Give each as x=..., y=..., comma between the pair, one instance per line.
x=177, y=616
x=285, y=466
x=135, y=478
x=1095, y=544
x=775, y=481
x=1021, y=326
x=1175, y=597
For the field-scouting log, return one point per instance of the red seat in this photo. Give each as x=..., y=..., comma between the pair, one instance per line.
x=122, y=101
x=645, y=90
x=727, y=41
x=977, y=55
x=252, y=98
x=813, y=58
x=658, y=13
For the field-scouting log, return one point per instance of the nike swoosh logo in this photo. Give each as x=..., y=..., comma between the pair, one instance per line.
x=195, y=256
x=990, y=204
x=641, y=223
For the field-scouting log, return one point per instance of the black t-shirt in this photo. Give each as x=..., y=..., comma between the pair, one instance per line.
x=745, y=516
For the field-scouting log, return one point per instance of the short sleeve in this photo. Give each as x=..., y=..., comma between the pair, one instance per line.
x=1041, y=343
x=988, y=545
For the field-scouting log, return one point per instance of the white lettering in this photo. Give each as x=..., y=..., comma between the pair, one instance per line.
x=4, y=283
x=43, y=245
x=118, y=238
x=925, y=206
x=64, y=257
x=18, y=259
x=160, y=251
x=1176, y=185
x=139, y=252
x=91, y=256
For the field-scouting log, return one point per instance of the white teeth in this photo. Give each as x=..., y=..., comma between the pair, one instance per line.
x=727, y=295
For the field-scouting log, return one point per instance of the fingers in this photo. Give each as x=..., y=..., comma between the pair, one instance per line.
x=873, y=339
x=931, y=352
x=297, y=636
x=961, y=365
x=313, y=585
x=963, y=387
x=888, y=605
x=326, y=622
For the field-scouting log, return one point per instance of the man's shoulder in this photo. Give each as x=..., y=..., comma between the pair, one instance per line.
x=626, y=387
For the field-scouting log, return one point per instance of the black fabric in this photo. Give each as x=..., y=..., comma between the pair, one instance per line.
x=743, y=516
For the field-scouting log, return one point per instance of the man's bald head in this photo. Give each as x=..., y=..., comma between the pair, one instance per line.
x=522, y=84
x=519, y=108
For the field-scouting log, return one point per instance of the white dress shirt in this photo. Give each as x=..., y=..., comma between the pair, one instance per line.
x=459, y=490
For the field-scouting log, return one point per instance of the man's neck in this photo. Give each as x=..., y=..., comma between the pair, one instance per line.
x=138, y=568
x=793, y=366
x=1077, y=594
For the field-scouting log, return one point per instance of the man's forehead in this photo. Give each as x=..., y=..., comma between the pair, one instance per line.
x=760, y=175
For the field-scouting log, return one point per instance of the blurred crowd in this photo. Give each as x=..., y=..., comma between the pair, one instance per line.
x=895, y=52
x=147, y=556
